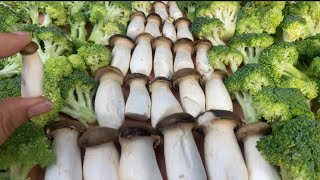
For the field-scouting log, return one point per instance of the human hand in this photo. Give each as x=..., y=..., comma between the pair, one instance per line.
x=14, y=111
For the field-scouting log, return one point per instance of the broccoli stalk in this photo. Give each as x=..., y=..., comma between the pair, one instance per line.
x=77, y=19
x=143, y=6
x=10, y=66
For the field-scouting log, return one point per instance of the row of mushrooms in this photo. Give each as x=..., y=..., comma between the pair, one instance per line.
x=204, y=104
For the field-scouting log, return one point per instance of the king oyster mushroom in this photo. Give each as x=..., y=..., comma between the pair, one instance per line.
x=168, y=30
x=202, y=65
x=174, y=10
x=182, y=157
x=153, y=25
x=136, y=25
x=160, y=8
x=101, y=159
x=182, y=25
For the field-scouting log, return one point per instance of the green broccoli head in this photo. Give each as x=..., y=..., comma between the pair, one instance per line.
x=10, y=87
x=77, y=62
x=189, y=7
x=143, y=6
x=57, y=67
x=95, y=56
x=294, y=28
x=28, y=9
x=208, y=28
x=222, y=56
x=109, y=28
x=119, y=11
x=10, y=20
x=54, y=13
x=294, y=146
x=27, y=147
x=78, y=90
x=281, y=104
x=308, y=48
x=251, y=45
x=225, y=11
x=96, y=12
x=280, y=60
x=314, y=68
x=10, y=66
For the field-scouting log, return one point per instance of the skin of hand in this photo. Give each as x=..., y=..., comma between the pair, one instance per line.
x=14, y=111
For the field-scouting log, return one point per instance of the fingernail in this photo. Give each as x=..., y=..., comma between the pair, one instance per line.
x=40, y=109
x=21, y=33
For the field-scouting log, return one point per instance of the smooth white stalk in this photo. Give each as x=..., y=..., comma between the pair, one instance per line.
x=161, y=10
x=183, y=30
x=163, y=60
x=169, y=31
x=109, y=101
x=136, y=26
x=192, y=96
x=67, y=165
x=182, y=157
x=223, y=157
x=153, y=27
x=217, y=95
x=202, y=64
x=32, y=75
x=141, y=60
x=138, y=104
x=138, y=159
x=258, y=167
x=101, y=162
x=121, y=54
x=183, y=58
x=174, y=10
x=163, y=102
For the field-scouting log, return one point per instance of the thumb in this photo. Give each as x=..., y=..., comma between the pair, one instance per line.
x=14, y=111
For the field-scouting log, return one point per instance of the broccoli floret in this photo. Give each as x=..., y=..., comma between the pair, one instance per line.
x=95, y=56
x=245, y=82
x=189, y=7
x=251, y=45
x=77, y=19
x=260, y=16
x=294, y=28
x=314, y=68
x=109, y=28
x=119, y=11
x=78, y=90
x=10, y=66
x=10, y=87
x=294, y=146
x=57, y=68
x=77, y=62
x=281, y=104
x=309, y=10
x=222, y=56
x=280, y=60
x=208, y=28
x=54, y=12
x=225, y=11
x=27, y=147
x=143, y=6
x=10, y=20
x=308, y=48
x=30, y=9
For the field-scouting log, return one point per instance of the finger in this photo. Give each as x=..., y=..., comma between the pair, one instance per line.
x=11, y=43
x=14, y=111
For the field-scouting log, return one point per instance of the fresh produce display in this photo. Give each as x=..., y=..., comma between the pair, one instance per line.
x=132, y=79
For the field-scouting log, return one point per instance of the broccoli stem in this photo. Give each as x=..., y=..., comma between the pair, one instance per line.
x=253, y=54
x=191, y=13
x=9, y=70
x=47, y=20
x=215, y=39
x=19, y=172
x=245, y=101
x=233, y=66
x=78, y=30
x=96, y=33
x=285, y=174
x=291, y=71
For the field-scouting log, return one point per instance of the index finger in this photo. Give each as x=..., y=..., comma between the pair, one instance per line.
x=11, y=43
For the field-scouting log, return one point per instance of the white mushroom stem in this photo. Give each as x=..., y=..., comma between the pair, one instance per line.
x=109, y=101
x=258, y=167
x=136, y=26
x=138, y=104
x=182, y=157
x=153, y=27
x=141, y=60
x=183, y=30
x=183, y=57
x=161, y=9
x=101, y=162
x=191, y=96
x=163, y=59
x=67, y=165
x=163, y=102
x=138, y=159
x=121, y=54
x=169, y=31
x=202, y=64
x=174, y=10
x=217, y=95
x=32, y=75
x=223, y=157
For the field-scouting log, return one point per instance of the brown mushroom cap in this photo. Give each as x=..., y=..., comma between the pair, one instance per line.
x=177, y=21
x=154, y=16
x=129, y=77
x=252, y=129
x=29, y=49
x=202, y=42
x=174, y=119
x=224, y=115
x=107, y=69
x=113, y=39
x=137, y=13
x=177, y=76
x=161, y=79
x=97, y=135
x=137, y=129
x=65, y=122
x=143, y=35
x=159, y=39
x=183, y=41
